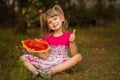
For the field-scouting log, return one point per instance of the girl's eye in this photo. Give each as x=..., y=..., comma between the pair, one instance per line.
x=49, y=22
x=55, y=18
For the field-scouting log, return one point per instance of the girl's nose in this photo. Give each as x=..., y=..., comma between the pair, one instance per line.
x=53, y=22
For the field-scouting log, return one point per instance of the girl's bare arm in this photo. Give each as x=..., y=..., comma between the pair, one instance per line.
x=73, y=46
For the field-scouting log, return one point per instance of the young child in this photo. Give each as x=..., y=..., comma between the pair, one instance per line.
x=54, y=29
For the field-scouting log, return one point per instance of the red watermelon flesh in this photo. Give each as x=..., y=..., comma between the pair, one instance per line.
x=38, y=45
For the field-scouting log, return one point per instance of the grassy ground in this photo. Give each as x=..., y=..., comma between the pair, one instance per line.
x=100, y=48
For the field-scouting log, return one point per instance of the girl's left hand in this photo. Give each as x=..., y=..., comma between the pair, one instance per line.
x=72, y=36
x=43, y=55
x=31, y=50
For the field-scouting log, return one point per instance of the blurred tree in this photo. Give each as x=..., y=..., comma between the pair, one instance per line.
x=111, y=11
x=31, y=11
x=3, y=11
x=26, y=13
x=20, y=21
x=100, y=12
x=49, y=3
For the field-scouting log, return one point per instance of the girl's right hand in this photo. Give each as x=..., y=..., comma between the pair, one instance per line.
x=72, y=36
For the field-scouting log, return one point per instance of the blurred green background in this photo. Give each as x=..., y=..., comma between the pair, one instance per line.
x=98, y=33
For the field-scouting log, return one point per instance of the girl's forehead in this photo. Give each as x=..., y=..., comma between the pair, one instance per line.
x=52, y=14
x=51, y=17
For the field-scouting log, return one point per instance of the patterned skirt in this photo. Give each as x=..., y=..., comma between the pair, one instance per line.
x=57, y=55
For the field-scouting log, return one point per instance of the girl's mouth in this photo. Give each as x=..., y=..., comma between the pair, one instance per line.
x=55, y=26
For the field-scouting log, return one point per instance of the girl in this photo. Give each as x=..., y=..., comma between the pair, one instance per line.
x=54, y=27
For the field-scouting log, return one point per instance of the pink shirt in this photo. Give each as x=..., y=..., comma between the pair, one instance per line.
x=60, y=40
x=57, y=54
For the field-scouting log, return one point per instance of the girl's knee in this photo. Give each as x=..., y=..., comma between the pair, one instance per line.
x=23, y=59
x=79, y=57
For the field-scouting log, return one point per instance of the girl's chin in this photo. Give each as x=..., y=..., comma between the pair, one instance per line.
x=55, y=29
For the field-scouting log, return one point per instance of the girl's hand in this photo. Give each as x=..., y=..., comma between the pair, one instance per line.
x=31, y=51
x=72, y=36
x=43, y=55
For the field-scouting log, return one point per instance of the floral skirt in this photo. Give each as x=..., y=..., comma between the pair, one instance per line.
x=57, y=55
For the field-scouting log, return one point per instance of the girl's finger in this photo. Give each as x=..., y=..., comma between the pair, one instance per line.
x=74, y=31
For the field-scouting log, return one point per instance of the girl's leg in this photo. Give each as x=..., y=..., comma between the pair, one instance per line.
x=67, y=64
x=28, y=65
x=34, y=69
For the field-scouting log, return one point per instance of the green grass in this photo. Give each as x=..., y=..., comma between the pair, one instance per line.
x=99, y=46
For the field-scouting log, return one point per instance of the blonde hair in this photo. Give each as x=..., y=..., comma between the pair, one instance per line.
x=56, y=11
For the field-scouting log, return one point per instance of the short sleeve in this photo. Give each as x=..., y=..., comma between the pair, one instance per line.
x=46, y=37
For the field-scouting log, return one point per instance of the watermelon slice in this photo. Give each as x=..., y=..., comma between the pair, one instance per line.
x=38, y=45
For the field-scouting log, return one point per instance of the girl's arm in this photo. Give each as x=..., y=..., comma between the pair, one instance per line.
x=73, y=46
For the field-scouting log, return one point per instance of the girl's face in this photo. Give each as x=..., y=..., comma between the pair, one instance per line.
x=54, y=23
